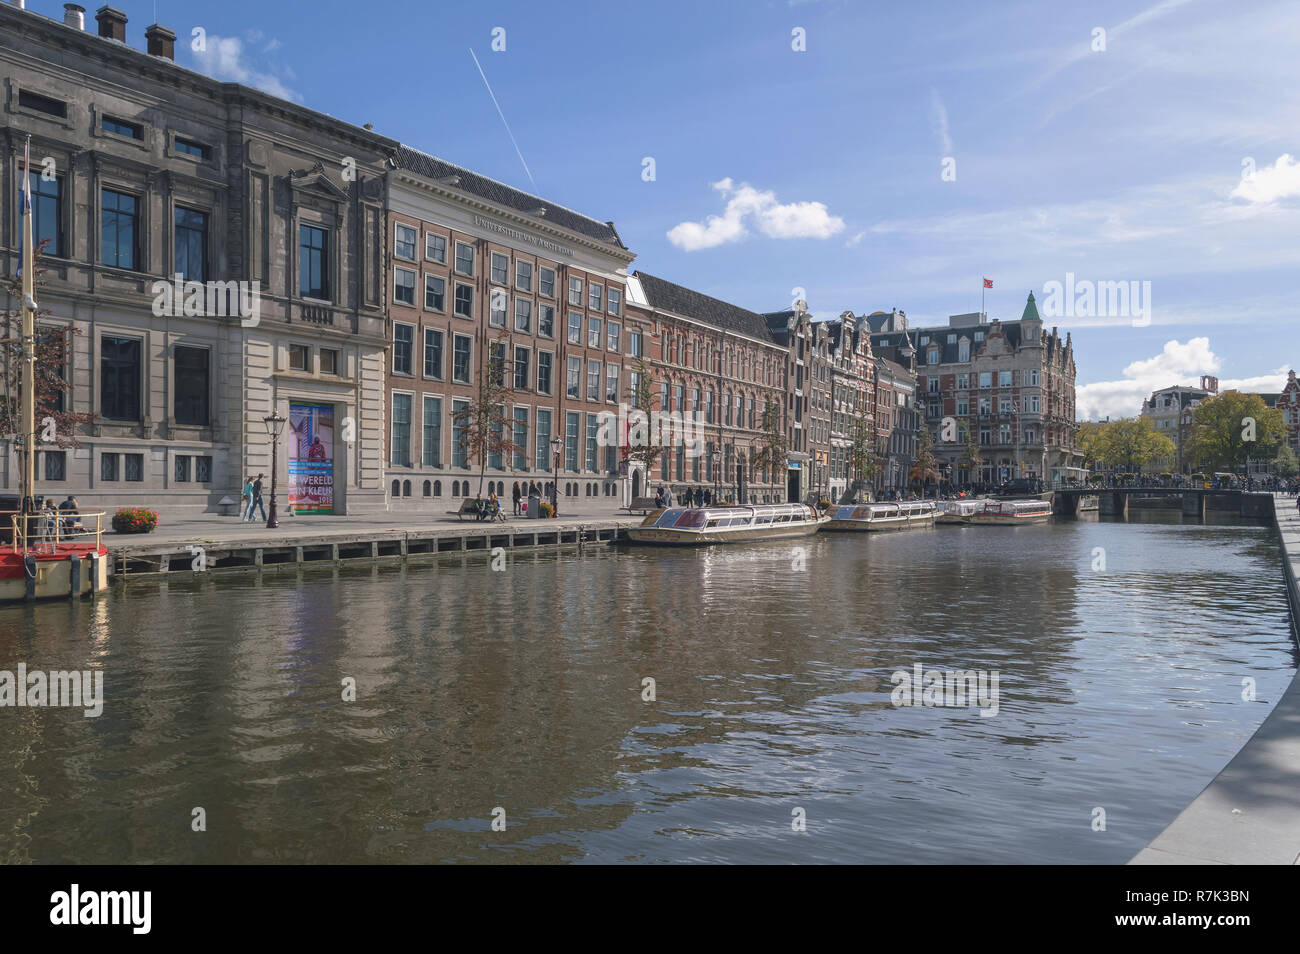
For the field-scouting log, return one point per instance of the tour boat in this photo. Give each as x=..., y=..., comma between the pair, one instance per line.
x=996, y=513
x=883, y=516
x=705, y=526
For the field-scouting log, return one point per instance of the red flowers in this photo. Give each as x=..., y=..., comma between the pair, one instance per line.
x=135, y=520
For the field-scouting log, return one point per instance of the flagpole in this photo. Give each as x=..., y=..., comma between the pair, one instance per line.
x=29, y=347
x=981, y=297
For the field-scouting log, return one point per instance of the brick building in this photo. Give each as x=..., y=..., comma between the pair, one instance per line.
x=1170, y=410
x=853, y=400
x=808, y=400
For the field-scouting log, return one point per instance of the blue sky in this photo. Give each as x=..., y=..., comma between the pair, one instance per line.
x=822, y=168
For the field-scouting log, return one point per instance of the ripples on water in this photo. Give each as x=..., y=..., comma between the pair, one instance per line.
x=522, y=690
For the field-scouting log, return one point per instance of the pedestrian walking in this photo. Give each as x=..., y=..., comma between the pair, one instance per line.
x=515, y=496
x=246, y=499
x=659, y=498
x=255, y=498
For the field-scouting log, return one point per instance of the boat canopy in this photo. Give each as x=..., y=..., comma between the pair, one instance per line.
x=713, y=518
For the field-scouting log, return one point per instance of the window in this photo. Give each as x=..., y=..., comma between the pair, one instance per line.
x=595, y=296
x=433, y=344
x=464, y=259
x=118, y=229
x=190, y=395
x=403, y=338
x=188, y=147
x=108, y=466
x=952, y=339
x=181, y=468
x=56, y=464
x=404, y=286
x=498, y=304
x=634, y=343
x=575, y=328
x=313, y=268
x=546, y=321
x=573, y=379
x=986, y=379
x=544, y=359
x=47, y=212
x=571, y=440
x=615, y=300
x=963, y=350
x=542, y=445
x=523, y=315
x=986, y=406
x=611, y=383
x=546, y=282
x=1034, y=406
x=42, y=104
x=520, y=438
x=329, y=361
x=460, y=359
x=401, y=454
x=611, y=335
x=119, y=385
x=299, y=356
x=524, y=276
x=500, y=268
x=435, y=293
x=1033, y=379
x=932, y=356
x=120, y=127
x=963, y=407
x=963, y=382
x=497, y=362
x=679, y=403
x=1004, y=406
x=133, y=466
x=404, y=242
x=459, y=447
x=1004, y=379
x=593, y=332
x=522, y=356
x=979, y=336
x=575, y=291
x=435, y=247
x=593, y=380
x=464, y=300
x=593, y=427
x=191, y=241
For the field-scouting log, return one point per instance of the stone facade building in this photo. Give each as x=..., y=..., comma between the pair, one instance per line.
x=1170, y=410
x=144, y=171
x=477, y=269
x=853, y=401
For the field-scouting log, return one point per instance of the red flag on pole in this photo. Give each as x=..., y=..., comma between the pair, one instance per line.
x=988, y=283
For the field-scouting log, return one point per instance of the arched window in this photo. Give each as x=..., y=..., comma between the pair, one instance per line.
x=437, y=488
x=406, y=488
x=428, y=488
x=397, y=488
x=455, y=488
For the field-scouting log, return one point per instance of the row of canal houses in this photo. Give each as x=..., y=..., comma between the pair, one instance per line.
x=384, y=281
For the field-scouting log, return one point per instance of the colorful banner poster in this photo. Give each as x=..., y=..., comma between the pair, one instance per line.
x=311, y=458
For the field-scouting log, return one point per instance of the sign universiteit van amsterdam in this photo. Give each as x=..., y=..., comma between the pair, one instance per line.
x=506, y=230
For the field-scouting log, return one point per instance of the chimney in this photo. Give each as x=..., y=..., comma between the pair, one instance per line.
x=112, y=23
x=74, y=16
x=161, y=42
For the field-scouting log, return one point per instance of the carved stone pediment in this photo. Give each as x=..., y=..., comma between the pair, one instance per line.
x=315, y=179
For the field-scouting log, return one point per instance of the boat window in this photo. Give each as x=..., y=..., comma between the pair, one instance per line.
x=668, y=518
x=691, y=519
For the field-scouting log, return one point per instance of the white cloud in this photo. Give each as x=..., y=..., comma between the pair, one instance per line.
x=1278, y=181
x=224, y=58
x=1177, y=363
x=762, y=212
x=939, y=122
x=855, y=240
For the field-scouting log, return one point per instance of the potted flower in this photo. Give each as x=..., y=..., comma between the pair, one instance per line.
x=135, y=520
x=546, y=510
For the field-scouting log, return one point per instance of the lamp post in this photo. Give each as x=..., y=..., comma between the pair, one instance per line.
x=557, y=445
x=716, y=459
x=274, y=425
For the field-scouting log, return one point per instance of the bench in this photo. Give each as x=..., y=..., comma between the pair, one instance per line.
x=466, y=509
x=643, y=504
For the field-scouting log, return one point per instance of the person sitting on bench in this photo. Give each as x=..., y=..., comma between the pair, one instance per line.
x=480, y=507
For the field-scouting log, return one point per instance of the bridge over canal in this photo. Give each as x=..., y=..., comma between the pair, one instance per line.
x=1196, y=502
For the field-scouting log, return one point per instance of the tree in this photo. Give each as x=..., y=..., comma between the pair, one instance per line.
x=1087, y=437
x=53, y=389
x=768, y=452
x=924, y=466
x=971, y=458
x=1130, y=442
x=643, y=439
x=1285, y=464
x=861, y=458
x=482, y=426
x=1231, y=427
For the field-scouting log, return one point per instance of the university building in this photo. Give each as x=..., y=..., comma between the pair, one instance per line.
x=481, y=276
x=144, y=171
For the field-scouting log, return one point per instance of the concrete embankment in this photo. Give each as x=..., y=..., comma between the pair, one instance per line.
x=1250, y=813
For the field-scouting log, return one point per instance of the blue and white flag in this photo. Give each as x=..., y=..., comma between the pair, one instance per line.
x=25, y=201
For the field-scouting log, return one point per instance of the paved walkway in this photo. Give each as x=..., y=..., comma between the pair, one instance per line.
x=1250, y=813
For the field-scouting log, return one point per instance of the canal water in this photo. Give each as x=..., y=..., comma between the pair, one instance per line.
x=1124, y=655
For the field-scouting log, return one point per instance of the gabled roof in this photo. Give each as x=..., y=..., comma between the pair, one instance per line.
x=701, y=307
x=498, y=193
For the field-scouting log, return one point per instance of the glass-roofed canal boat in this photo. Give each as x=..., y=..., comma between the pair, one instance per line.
x=706, y=526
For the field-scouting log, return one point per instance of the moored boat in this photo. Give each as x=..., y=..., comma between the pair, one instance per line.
x=705, y=526
x=996, y=513
x=885, y=515
x=957, y=511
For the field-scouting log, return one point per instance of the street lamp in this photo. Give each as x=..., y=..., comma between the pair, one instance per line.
x=716, y=459
x=274, y=425
x=557, y=445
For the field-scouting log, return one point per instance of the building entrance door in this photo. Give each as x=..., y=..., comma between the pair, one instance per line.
x=792, y=487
